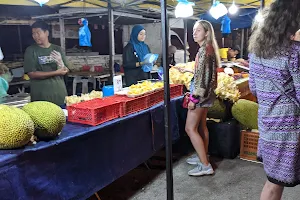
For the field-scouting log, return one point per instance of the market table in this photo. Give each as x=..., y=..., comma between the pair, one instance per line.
x=84, y=159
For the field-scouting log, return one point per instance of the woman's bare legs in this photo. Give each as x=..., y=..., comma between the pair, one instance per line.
x=194, y=118
x=271, y=191
x=204, y=131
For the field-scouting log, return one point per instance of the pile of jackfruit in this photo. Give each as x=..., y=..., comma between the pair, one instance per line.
x=244, y=111
x=35, y=121
x=177, y=77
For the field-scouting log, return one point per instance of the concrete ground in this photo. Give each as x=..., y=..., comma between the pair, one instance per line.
x=233, y=180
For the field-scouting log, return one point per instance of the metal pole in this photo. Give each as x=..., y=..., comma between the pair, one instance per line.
x=62, y=34
x=20, y=39
x=111, y=39
x=168, y=137
x=185, y=40
x=262, y=4
x=242, y=42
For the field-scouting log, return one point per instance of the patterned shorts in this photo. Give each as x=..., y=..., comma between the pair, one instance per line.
x=209, y=102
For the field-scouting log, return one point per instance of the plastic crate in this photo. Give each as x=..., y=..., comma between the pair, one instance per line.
x=131, y=105
x=155, y=97
x=176, y=91
x=249, y=143
x=94, y=112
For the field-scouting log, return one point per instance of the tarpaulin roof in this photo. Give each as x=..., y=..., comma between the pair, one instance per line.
x=201, y=5
x=243, y=19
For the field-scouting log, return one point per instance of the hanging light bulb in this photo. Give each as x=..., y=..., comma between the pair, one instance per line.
x=259, y=17
x=41, y=2
x=218, y=10
x=233, y=9
x=184, y=9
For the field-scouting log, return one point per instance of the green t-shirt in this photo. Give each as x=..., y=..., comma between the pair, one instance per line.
x=52, y=89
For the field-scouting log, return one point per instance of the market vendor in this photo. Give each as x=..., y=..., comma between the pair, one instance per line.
x=133, y=56
x=5, y=77
x=171, y=58
x=233, y=53
x=45, y=65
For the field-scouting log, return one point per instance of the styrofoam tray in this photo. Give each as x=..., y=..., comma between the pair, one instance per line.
x=124, y=91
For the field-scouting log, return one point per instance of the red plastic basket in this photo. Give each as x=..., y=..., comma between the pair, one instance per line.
x=176, y=91
x=94, y=112
x=131, y=105
x=155, y=97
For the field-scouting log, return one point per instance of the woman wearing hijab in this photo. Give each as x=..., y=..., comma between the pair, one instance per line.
x=133, y=56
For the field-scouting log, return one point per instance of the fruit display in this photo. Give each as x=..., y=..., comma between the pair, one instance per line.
x=227, y=88
x=246, y=112
x=177, y=77
x=238, y=76
x=69, y=100
x=16, y=127
x=49, y=119
x=144, y=87
x=218, y=110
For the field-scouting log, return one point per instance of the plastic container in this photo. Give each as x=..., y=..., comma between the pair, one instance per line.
x=118, y=85
x=108, y=90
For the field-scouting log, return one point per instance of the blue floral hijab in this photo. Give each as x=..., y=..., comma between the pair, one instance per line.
x=140, y=47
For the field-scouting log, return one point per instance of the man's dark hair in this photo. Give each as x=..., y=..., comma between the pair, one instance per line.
x=236, y=48
x=40, y=24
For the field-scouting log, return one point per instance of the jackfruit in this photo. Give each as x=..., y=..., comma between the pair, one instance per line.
x=49, y=119
x=217, y=111
x=16, y=127
x=246, y=112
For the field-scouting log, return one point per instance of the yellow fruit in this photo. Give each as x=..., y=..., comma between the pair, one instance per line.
x=16, y=127
x=49, y=119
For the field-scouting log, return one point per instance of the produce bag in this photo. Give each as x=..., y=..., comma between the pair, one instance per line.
x=1, y=54
x=149, y=61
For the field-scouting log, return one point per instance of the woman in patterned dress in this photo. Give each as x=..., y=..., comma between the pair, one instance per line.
x=202, y=95
x=275, y=80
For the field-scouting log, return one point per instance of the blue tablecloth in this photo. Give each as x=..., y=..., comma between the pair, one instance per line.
x=83, y=159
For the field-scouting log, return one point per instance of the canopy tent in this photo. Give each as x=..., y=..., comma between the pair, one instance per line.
x=201, y=6
x=243, y=19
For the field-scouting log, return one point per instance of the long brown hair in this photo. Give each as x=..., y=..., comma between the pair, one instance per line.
x=273, y=33
x=211, y=38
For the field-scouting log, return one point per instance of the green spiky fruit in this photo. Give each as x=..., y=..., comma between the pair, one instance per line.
x=16, y=127
x=246, y=112
x=217, y=111
x=48, y=118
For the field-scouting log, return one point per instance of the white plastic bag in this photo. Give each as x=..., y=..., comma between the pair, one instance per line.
x=1, y=54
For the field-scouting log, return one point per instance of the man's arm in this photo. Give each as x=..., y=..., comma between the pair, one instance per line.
x=45, y=75
x=31, y=70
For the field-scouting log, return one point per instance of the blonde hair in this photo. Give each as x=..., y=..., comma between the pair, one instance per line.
x=211, y=38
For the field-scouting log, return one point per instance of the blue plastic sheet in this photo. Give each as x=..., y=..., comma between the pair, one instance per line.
x=149, y=61
x=85, y=34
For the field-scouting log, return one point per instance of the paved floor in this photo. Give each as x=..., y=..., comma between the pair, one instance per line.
x=233, y=180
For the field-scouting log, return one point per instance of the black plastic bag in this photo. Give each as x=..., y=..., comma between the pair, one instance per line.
x=224, y=138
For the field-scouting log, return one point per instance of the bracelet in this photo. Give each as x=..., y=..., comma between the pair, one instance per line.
x=194, y=100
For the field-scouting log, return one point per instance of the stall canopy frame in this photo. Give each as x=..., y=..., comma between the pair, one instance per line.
x=150, y=8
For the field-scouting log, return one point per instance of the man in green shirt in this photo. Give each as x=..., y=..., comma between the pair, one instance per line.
x=45, y=65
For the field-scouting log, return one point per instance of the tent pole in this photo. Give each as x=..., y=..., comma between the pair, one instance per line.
x=262, y=4
x=111, y=40
x=168, y=137
x=185, y=40
x=242, y=42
